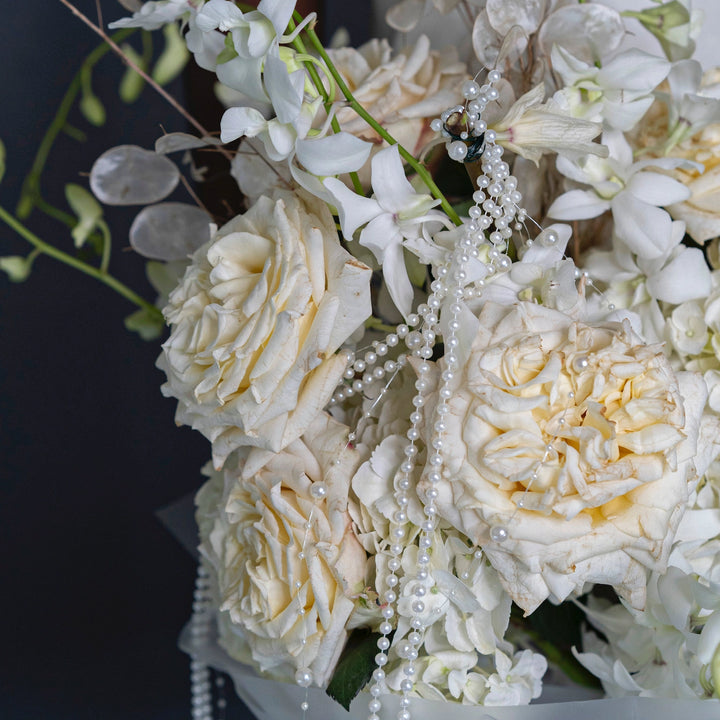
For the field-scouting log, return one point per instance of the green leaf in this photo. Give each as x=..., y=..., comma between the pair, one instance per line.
x=146, y=324
x=3, y=155
x=355, y=667
x=132, y=83
x=87, y=209
x=92, y=109
x=229, y=52
x=173, y=58
x=17, y=267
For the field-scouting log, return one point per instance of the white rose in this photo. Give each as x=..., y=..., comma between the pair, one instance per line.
x=285, y=557
x=256, y=322
x=403, y=92
x=586, y=427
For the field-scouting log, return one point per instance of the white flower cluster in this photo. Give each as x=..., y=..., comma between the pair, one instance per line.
x=537, y=425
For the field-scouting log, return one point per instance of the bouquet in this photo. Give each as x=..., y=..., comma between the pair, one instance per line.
x=454, y=352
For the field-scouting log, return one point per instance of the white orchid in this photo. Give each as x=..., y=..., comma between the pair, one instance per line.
x=634, y=192
x=153, y=15
x=617, y=94
x=692, y=105
x=394, y=215
x=675, y=24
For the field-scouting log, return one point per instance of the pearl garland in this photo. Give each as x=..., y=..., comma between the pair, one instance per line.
x=200, y=626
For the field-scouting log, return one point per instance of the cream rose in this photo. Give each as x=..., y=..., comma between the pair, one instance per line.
x=701, y=211
x=256, y=322
x=402, y=92
x=585, y=427
x=285, y=557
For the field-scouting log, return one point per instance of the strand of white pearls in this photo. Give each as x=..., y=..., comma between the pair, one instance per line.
x=303, y=675
x=200, y=626
x=420, y=343
x=368, y=366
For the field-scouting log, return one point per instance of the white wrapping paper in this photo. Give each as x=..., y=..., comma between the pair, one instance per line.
x=273, y=700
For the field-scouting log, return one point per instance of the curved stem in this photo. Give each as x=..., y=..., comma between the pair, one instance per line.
x=30, y=191
x=103, y=277
x=420, y=169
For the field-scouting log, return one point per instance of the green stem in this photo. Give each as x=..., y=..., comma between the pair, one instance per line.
x=299, y=45
x=31, y=186
x=83, y=267
x=380, y=130
x=107, y=246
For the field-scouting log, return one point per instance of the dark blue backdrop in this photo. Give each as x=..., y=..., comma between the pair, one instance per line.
x=94, y=589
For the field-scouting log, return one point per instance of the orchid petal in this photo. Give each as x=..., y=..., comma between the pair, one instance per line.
x=334, y=154
x=219, y=14
x=578, y=205
x=657, y=189
x=278, y=12
x=285, y=89
x=392, y=190
x=686, y=277
x=634, y=69
x=644, y=228
x=239, y=121
x=354, y=210
x=243, y=75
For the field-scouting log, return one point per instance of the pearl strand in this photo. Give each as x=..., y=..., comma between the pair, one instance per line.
x=200, y=625
x=421, y=344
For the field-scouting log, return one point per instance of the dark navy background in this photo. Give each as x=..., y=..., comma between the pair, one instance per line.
x=94, y=591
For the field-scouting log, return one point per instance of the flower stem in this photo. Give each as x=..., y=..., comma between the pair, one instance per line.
x=30, y=193
x=98, y=274
x=380, y=130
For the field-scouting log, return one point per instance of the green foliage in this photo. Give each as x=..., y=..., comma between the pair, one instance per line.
x=149, y=326
x=174, y=57
x=132, y=83
x=92, y=109
x=355, y=667
x=87, y=209
x=17, y=267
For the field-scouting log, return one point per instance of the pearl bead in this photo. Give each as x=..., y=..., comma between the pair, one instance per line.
x=580, y=363
x=318, y=490
x=494, y=76
x=304, y=677
x=457, y=150
x=498, y=534
x=436, y=125
x=470, y=89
